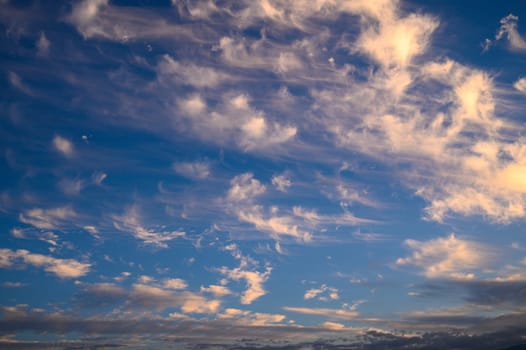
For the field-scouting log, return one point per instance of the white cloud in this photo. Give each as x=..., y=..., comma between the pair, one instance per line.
x=324, y=293
x=508, y=29
x=63, y=145
x=194, y=170
x=254, y=282
x=189, y=73
x=520, y=85
x=62, y=268
x=130, y=222
x=19, y=84
x=254, y=279
x=216, y=290
x=234, y=122
x=175, y=283
x=244, y=317
x=329, y=313
x=47, y=218
x=245, y=188
x=450, y=258
x=98, y=177
x=281, y=182
x=43, y=44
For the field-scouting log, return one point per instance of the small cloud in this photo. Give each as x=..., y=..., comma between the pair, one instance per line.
x=92, y=229
x=18, y=233
x=43, y=45
x=17, y=82
x=198, y=170
x=520, y=85
x=63, y=145
x=13, y=284
x=281, y=182
x=175, y=283
x=98, y=177
x=216, y=291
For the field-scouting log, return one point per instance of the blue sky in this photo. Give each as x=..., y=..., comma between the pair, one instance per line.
x=270, y=173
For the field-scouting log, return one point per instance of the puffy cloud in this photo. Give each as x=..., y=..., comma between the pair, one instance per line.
x=281, y=182
x=244, y=188
x=234, y=120
x=449, y=258
x=175, y=283
x=63, y=145
x=520, y=85
x=47, y=218
x=62, y=268
x=131, y=222
x=194, y=170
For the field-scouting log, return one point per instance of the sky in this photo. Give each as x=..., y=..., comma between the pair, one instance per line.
x=272, y=174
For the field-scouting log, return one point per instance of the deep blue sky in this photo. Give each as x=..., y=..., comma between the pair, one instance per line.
x=262, y=173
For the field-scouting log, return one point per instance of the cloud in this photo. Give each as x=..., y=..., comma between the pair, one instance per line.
x=508, y=29
x=101, y=19
x=43, y=45
x=393, y=41
x=331, y=293
x=63, y=146
x=233, y=120
x=281, y=182
x=62, y=268
x=175, y=283
x=329, y=313
x=131, y=222
x=244, y=317
x=449, y=258
x=246, y=271
x=142, y=296
x=198, y=170
x=216, y=291
x=520, y=85
x=172, y=71
x=19, y=84
x=47, y=218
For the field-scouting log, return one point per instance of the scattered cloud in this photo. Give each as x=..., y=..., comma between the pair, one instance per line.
x=328, y=313
x=281, y=182
x=520, y=85
x=43, y=44
x=448, y=258
x=198, y=170
x=63, y=145
x=131, y=222
x=509, y=30
x=62, y=268
x=48, y=218
x=324, y=293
